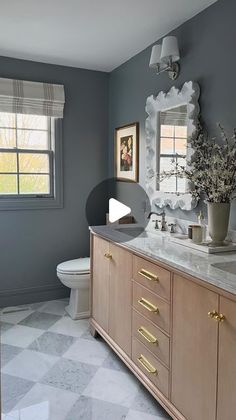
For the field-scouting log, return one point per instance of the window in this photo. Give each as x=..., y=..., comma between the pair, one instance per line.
x=29, y=161
x=173, y=148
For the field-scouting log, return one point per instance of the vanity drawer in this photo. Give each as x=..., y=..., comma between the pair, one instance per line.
x=152, y=276
x=157, y=342
x=151, y=306
x=150, y=366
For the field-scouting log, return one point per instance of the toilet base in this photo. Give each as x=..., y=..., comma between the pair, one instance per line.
x=78, y=307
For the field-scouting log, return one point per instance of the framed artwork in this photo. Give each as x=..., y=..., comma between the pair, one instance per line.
x=127, y=152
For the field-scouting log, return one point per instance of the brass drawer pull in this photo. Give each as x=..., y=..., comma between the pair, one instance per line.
x=147, y=366
x=216, y=316
x=108, y=255
x=148, y=275
x=147, y=335
x=148, y=305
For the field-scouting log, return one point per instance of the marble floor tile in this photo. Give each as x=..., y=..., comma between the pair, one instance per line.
x=90, y=409
x=69, y=375
x=11, y=416
x=52, y=343
x=114, y=362
x=4, y=326
x=14, y=317
x=56, y=307
x=86, y=351
x=68, y=326
x=13, y=389
x=8, y=353
x=30, y=365
x=138, y=415
x=113, y=386
x=40, y=320
x=145, y=402
x=43, y=402
x=20, y=336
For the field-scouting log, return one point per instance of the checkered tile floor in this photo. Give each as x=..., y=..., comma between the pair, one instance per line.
x=52, y=369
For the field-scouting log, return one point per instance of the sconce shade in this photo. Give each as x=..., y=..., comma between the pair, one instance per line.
x=170, y=50
x=155, y=59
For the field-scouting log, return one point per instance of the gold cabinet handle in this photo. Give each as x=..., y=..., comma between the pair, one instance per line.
x=147, y=335
x=148, y=305
x=220, y=317
x=148, y=275
x=216, y=316
x=108, y=255
x=212, y=314
x=146, y=364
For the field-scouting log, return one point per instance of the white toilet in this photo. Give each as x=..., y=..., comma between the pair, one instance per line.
x=75, y=274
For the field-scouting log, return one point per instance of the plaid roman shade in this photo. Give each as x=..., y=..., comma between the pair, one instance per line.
x=23, y=97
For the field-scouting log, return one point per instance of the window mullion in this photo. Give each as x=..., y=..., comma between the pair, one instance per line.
x=17, y=158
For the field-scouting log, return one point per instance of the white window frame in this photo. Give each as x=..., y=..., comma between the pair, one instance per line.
x=41, y=201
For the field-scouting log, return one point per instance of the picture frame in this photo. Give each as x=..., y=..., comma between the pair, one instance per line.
x=126, y=152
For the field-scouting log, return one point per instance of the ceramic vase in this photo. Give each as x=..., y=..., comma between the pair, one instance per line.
x=218, y=222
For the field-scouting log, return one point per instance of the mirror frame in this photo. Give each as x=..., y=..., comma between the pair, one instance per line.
x=187, y=95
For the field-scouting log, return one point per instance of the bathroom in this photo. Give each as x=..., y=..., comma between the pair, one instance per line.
x=53, y=368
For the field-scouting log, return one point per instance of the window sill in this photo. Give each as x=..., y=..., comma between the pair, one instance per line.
x=31, y=203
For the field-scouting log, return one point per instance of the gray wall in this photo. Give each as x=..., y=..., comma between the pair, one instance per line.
x=33, y=242
x=207, y=44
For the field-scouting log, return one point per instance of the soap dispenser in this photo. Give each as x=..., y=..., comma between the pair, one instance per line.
x=201, y=222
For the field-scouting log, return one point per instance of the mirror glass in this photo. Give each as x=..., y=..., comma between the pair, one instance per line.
x=171, y=122
x=172, y=147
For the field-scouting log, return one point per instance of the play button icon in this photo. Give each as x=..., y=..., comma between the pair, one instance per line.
x=117, y=210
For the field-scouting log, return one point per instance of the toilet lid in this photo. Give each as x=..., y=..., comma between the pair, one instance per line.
x=77, y=266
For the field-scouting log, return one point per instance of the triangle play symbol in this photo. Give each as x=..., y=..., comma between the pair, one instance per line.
x=117, y=210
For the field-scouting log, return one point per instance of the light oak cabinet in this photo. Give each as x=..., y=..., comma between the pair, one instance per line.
x=194, y=350
x=111, y=291
x=100, y=289
x=120, y=297
x=176, y=333
x=226, y=409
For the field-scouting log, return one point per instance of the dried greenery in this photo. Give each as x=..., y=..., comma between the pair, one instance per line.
x=211, y=170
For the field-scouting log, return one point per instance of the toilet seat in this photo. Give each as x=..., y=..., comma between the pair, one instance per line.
x=74, y=267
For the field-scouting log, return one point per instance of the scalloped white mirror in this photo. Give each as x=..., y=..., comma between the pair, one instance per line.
x=172, y=120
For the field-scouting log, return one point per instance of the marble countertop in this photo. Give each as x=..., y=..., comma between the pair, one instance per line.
x=160, y=248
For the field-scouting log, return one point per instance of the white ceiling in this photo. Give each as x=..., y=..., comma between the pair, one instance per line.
x=92, y=34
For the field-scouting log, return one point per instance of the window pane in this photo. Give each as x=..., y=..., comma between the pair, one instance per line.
x=7, y=138
x=181, y=131
x=8, y=162
x=8, y=184
x=167, y=130
x=166, y=164
x=181, y=146
x=27, y=139
x=33, y=163
x=181, y=185
x=167, y=146
x=7, y=120
x=32, y=121
x=34, y=184
x=181, y=161
x=168, y=184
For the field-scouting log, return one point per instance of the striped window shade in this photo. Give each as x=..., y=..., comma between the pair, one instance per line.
x=24, y=97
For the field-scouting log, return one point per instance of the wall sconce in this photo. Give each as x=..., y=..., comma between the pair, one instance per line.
x=164, y=57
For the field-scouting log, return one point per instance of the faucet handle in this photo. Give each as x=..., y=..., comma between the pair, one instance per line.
x=156, y=224
x=172, y=227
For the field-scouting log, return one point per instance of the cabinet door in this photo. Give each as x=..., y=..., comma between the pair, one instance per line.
x=227, y=361
x=100, y=281
x=194, y=350
x=120, y=297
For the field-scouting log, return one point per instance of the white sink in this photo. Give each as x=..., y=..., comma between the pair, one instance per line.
x=229, y=267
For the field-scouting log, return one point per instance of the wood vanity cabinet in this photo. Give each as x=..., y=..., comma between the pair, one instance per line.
x=111, y=291
x=176, y=333
x=226, y=409
x=194, y=350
